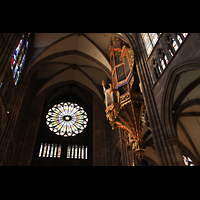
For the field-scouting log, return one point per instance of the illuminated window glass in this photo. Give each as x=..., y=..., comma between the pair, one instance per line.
x=147, y=43
x=72, y=154
x=185, y=34
x=170, y=52
x=45, y=149
x=166, y=60
x=50, y=150
x=69, y=151
x=59, y=150
x=179, y=38
x=150, y=40
x=188, y=161
x=159, y=69
x=175, y=44
x=82, y=156
x=154, y=38
x=86, y=152
x=19, y=57
x=41, y=147
x=67, y=119
x=55, y=150
x=77, y=151
x=162, y=63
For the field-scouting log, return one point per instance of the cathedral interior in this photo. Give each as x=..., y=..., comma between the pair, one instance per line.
x=99, y=99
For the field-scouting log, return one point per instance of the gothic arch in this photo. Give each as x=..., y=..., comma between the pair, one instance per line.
x=188, y=153
x=176, y=132
x=170, y=87
x=36, y=109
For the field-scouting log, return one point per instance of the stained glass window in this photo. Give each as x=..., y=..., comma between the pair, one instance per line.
x=150, y=40
x=72, y=154
x=154, y=38
x=147, y=43
x=162, y=63
x=159, y=69
x=188, y=161
x=55, y=150
x=67, y=119
x=166, y=60
x=69, y=151
x=82, y=157
x=86, y=152
x=45, y=149
x=50, y=150
x=175, y=44
x=77, y=151
x=41, y=147
x=52, y=147
x=179, y=38
x=19, y=57
x=170, y=52
x=59, y=150
x=185, y=34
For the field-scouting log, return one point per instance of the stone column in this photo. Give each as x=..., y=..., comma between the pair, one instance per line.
x=175, y=151
x=30, y=135
x=99, y=140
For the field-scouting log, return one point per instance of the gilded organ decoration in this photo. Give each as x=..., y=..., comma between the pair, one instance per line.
x=123, y=100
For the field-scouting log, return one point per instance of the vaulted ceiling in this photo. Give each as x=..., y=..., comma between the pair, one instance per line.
x=83, y=57
x=186, y=108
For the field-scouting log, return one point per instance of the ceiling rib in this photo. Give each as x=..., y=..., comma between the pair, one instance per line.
x=185, y=92
x=189, y=139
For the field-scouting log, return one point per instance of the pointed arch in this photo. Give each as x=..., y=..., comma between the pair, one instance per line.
x=169, y=91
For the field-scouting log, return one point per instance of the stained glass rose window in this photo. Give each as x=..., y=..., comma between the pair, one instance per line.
x=67, y=119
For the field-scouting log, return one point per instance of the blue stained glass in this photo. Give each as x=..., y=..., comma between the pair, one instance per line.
x=147, y=43
x=19, y=57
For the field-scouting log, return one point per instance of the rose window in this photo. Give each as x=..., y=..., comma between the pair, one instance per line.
x=67, y=119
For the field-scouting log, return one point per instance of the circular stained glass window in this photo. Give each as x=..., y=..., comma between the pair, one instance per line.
x=67, y=119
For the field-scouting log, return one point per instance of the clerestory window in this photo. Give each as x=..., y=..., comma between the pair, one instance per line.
x=19, y=57
x=150, y=40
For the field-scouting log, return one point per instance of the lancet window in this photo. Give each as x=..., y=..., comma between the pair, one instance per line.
x=164, y=52
x=53, y=150
x=19, y=57
x=150, y=40
x=174, y=44
x=77, y=151
x=50, y=150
